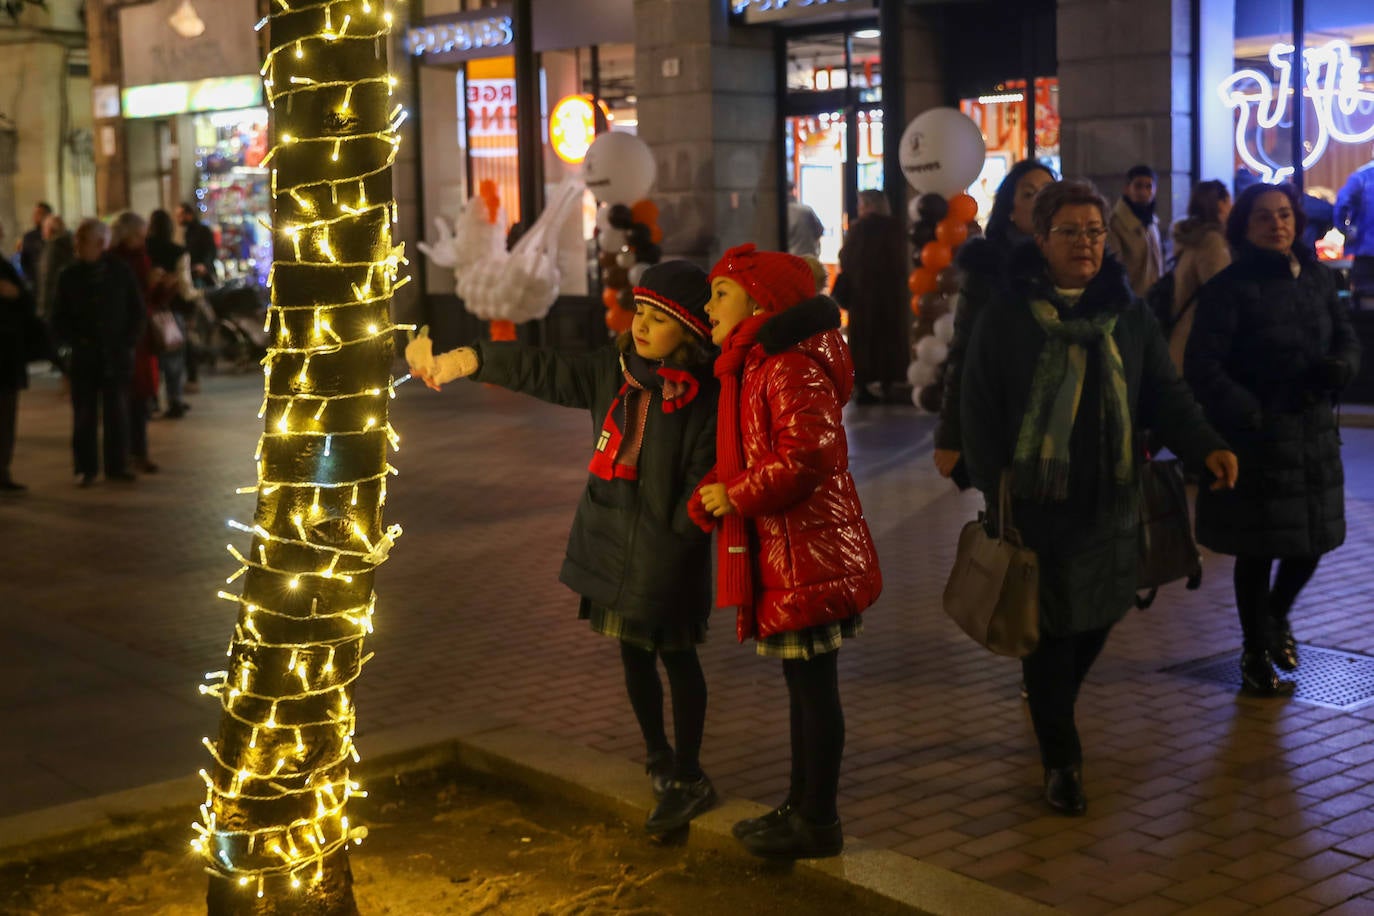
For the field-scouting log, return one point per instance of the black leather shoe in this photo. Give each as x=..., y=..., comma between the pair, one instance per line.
x=1283, y=650
x=680, y=803
x=660, y=769
x=778, y=815
x=1259, y=680
x=1064, y=790
x=796, y=838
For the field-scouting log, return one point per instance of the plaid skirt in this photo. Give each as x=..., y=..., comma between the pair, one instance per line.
x=641, y=635
x=813, y=641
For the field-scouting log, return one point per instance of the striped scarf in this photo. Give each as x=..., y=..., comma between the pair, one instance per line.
x=1040, y=467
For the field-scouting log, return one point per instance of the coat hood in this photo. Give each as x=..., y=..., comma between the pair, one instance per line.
x=1190, y=232
x=807, y=327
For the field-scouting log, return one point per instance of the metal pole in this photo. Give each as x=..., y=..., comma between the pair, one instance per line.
x=1299, y=82
x=530, y=151
x=1195, y=77
x=894, y=100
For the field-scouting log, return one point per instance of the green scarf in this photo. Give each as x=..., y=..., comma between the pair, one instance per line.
x=1040, y=468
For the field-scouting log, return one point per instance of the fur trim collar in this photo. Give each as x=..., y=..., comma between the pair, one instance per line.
x=791, y=326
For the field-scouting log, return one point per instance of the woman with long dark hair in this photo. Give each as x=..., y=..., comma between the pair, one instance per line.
x=1271, y=347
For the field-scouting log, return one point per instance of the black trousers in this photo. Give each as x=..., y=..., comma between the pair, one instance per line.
x=1054, y=673
x=93, y=398
x=9, y=420
x=1263, y=608
x=817, y=731
x=688, y=686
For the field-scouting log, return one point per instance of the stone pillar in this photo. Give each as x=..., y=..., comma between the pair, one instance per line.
x=111, y=162
x=1125, y=94
x=706, y=108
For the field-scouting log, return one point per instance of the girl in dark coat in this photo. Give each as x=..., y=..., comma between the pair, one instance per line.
x=1059, y=376
x=634, y=555
x=794, y=554
x=1270, y=348
x=984, y=262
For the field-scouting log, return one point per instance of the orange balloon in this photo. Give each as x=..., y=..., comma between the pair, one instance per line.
x=935, y=257
x=962, y=208
x=916, y=305
x=952, y=232
x=922, y=281
x=619, y=320
x=502, y=330
x=610, y=297
x=655, y=234
x=646, y=212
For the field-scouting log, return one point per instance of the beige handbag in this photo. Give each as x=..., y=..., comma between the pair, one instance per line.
x=993, y=591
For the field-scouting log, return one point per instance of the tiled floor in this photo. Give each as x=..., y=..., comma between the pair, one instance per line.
x=1201, y=801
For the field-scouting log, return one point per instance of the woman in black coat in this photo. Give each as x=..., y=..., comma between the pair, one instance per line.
x=17, y=323
x=872, y=288
x=1059, y=374
x=1270, y=349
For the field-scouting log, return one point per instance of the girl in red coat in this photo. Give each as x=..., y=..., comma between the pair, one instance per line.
x=793, y=553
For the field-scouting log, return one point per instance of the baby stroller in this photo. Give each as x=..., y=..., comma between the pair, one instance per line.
x=238, y=337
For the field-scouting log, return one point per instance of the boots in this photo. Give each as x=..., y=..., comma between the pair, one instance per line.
x=1064, y=790
x=1283, y=650
x=1258, y=679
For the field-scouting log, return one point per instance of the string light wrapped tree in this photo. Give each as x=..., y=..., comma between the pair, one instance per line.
x=274, y=830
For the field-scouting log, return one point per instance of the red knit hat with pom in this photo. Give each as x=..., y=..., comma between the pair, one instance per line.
x=774, y=279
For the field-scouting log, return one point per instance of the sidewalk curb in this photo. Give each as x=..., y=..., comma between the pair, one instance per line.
x=523, y=756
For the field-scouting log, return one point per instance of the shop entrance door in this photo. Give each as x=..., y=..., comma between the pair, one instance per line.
x=832, y=155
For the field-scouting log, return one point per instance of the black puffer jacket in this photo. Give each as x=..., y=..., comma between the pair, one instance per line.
x=1267, y=354
x=633, y=548
x=16, y=323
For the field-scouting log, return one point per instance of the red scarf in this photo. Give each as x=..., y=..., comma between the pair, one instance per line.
x=615, y=458
x=734, y=566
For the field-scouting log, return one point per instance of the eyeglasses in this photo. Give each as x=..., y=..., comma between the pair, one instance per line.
x=1093, y=234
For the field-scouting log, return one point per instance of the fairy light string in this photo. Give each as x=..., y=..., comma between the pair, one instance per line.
x=278, y=783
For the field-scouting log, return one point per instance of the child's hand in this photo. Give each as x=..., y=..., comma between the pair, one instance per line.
x=715, y=499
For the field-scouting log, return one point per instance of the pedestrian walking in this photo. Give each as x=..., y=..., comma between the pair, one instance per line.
x=983, y=262
x=128, y=242
x=640, y=565
x=1133, y=232
x=17, y=324
x=1058, y=377
x=98, y=318
x=58, y=252
x=1354, y=217
x=794, y=554
x=1271, y=346
x=1202, y=252
x=872, y=286
x=31, y=243
x=173, y=293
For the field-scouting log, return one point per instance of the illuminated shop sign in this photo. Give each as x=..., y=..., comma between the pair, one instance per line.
x=1340, y=107
x=466, y=37
x=752, y=11
x=163, y=99
x=572, y=127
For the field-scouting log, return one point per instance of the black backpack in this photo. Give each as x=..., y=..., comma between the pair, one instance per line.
x=1159, y=298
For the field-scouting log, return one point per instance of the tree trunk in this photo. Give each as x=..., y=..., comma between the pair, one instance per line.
x=275, y=829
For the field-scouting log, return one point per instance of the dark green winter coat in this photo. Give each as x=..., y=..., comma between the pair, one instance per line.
x=1267, y=353
x=1087, y=561
x=632, y=548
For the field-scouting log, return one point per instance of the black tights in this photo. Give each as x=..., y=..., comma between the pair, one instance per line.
x=813, y=687
x=1263, y=608
x=1054, y=674
x=688, y=686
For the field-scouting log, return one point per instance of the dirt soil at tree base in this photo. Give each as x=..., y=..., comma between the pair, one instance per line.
x=451, y=842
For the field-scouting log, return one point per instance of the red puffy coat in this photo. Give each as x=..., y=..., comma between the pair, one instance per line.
x=815, y=562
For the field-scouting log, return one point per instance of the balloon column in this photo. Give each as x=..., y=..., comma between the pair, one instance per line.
x=941, y=153
x=619, y=170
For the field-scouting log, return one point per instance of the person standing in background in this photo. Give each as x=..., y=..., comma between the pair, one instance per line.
x=31, y=243
x=1200, y=241
x=58, y=252
x=804, y=227
x=872, y=287
x=1133, y=231
x=1355, y=220
x=16, y=318
x=199, y=240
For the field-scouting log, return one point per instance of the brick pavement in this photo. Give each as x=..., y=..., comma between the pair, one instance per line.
x=1201, y=801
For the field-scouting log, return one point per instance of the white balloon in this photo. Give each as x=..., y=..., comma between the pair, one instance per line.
x=930, y=349
x=916, y=399
x=611, y=239
x=619, y=168
x=625, y=258
x=941, y=151
x=923, y=372
x=636, y=272
x=912, y=372
x=944, y=328
x=603, y=217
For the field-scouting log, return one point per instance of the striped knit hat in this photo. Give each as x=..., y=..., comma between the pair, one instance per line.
x=680, y=289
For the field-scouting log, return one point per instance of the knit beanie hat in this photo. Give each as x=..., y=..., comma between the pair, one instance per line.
x=773, y=279
x=681, y=289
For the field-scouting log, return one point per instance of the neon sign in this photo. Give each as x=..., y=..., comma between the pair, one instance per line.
x=764, y=10
x=1344, y=107
x=460, y=36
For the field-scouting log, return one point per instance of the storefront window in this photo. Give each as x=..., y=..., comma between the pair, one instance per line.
x=489, y=116
x=234, y=189
x=1002, y=115
x=865, y=65
x=817, y=63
